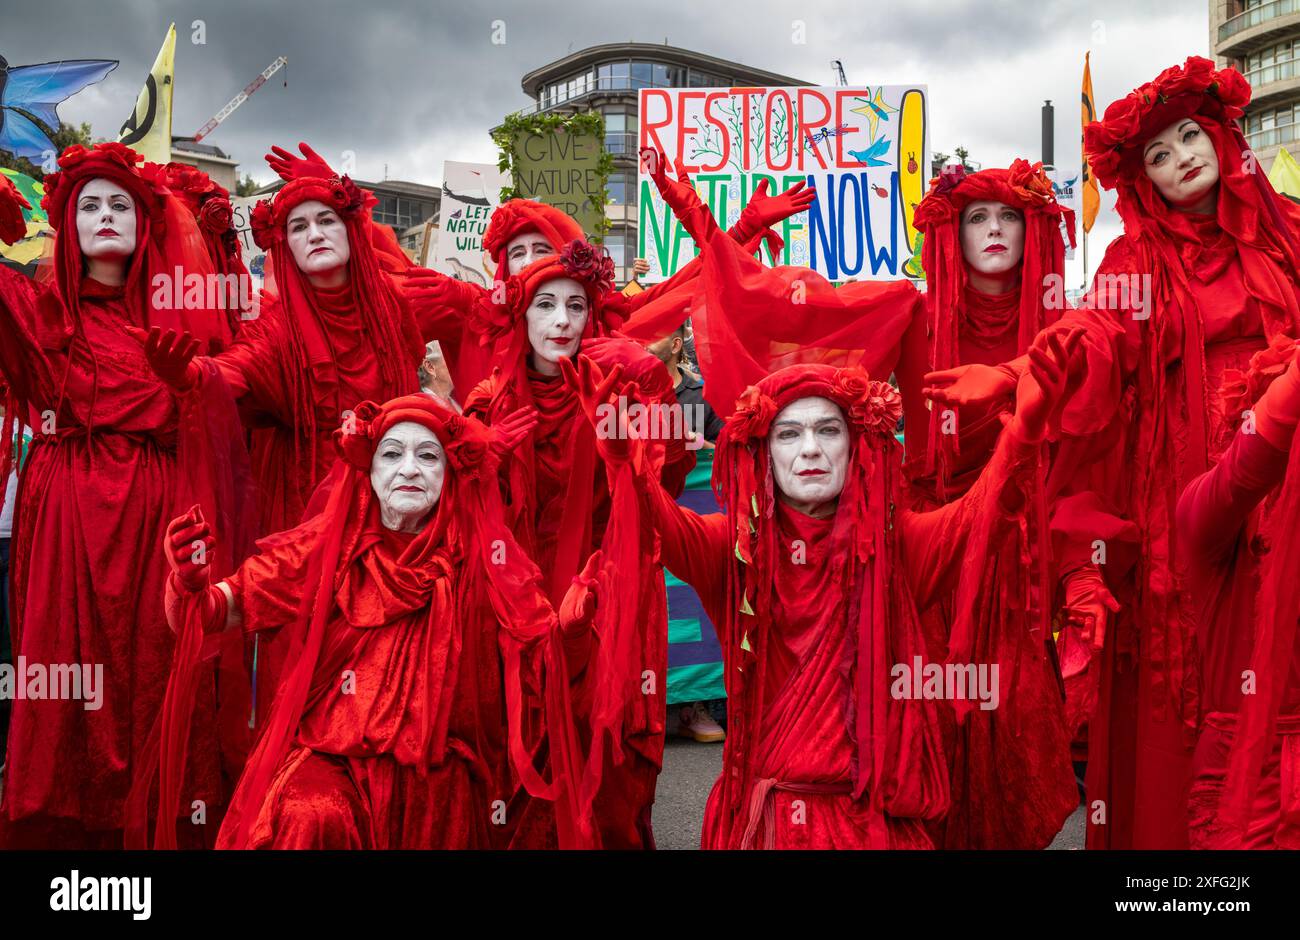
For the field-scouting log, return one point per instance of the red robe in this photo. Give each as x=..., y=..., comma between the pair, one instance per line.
x=552, y=517
x=100, y=485
x=1023, y=751
x=1141, y=739
x=803, y=763
x=1219, y=521
x=402, y=740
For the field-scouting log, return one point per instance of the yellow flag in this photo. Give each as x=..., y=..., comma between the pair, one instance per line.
x=1285, y=175
x=1091, y=198
x=149, y=128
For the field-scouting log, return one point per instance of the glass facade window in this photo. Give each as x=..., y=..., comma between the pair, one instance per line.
x=621, y=188
x=642, y=74
x=401, y=213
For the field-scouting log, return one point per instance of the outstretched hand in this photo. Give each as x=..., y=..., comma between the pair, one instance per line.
x=595, y=392
x=188, y=545
x=170, y=355
x=769, y=210
x=966, y=385
x=291, y=167
x=12, y=203
x=1041, y=392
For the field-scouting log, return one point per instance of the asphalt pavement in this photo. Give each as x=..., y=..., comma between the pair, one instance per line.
x=688, y=775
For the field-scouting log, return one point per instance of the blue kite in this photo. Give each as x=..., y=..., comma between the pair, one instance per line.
x=28, y=91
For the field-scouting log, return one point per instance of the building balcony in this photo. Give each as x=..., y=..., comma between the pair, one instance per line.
x=1275, y=85
x=1266, y=140
x=1257, y=28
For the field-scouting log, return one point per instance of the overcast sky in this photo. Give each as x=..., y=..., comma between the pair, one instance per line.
x=408, y=84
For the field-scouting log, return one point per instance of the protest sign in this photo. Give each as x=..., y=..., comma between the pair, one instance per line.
x=864, y=149
x=470, y=194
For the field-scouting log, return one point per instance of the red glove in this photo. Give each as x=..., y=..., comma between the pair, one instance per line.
x=292, y=167
x=170, y=355
x=596, y=395
x=188, y=545
x=764, y=211
x=1278, y=410
x=578, y=613
x=13, y=227
x=1041, y=392
x=510, y=431
x=1088, y=605
x=969, y=384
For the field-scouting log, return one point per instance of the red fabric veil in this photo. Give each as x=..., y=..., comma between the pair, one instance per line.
x=898, y=754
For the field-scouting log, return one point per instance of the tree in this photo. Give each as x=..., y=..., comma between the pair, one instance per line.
x=65, y=136
x=939, y=160
x=247, y=186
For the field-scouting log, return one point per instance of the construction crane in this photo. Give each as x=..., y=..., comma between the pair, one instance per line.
x=240, y=98
x=841, y=79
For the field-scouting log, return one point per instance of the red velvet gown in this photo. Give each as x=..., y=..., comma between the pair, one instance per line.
x=1219, y=522
x=802, y=795
x=560, y=452
x=401, y=744
x=1141, y=739
x=99, y=488
x=1027, y=758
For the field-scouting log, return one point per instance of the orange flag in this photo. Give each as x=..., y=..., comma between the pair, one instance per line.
x=1091, y=198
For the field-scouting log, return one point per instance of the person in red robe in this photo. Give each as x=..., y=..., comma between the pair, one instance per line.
x=1203, y=277
x=1243, y=564
x=813, y=577
x=113, y=458
x=397, y=724
x=564, y=506
x=994, y=260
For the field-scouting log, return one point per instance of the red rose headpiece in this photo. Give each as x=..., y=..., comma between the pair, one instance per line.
x=110, y=160
x=464, y=439
x=517, y=216
x=1023, y=185
x=871, y=407
x=503, y=307
x=1113, y=145
x=343, y=195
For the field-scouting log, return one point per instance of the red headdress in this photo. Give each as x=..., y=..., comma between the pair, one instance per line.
x=1172, y=248
x=516, y=216
x=952, y=308
x=898, y=760
x=383, y=315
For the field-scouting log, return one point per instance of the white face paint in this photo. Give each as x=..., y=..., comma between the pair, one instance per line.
x=318, y=239
x=992, y=236
x=556, y=318
x=1182, y=164
x=407, y=473
x=524, y=249
x=809, y=443
x=105, y=221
